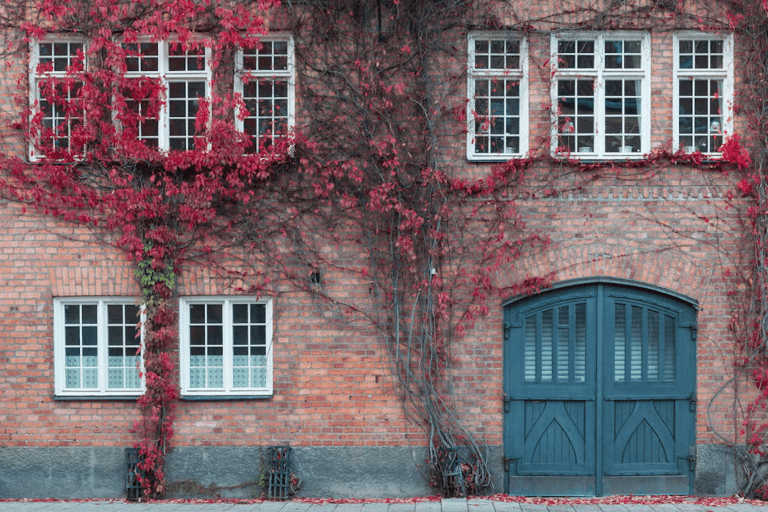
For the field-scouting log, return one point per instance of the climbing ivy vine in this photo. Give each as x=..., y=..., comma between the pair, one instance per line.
x=365, y=169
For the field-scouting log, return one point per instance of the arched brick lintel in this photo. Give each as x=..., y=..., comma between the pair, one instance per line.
x=669, y=272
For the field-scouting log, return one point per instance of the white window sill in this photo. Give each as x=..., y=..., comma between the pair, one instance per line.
x=226, y=396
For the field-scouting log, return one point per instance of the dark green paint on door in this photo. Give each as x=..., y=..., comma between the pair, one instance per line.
x=600, y=383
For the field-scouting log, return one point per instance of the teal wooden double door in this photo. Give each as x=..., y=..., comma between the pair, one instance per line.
x=599, y=392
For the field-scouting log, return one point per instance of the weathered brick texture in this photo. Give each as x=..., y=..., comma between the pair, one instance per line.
x=671, y=226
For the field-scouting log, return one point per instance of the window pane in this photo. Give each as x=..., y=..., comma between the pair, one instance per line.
x=622, y=55
x=700, y=112
x=81, y=346
x=497, y=54
x=114, y=314
x=497, y=107
x=142, y=58
x=636, y=344
x=563, y=343
x=701, y=54
x=267, y=103
x=576, y=54
x=250, y=336
x=240, y=313
x=619, y=343
x=547, y=333
x=576, y=115
x=206, y=346
x=653, y=346
x=580, y=349
x=240, y=335
x=123, y=370
x=191, y=59
x=622, y=119
x=530, y=349
x=669, y=348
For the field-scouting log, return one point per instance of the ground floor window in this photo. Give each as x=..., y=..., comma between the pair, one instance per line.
x=97, y=347
x=226, y=347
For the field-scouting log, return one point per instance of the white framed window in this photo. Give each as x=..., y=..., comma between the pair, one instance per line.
x=97, y=352
x=226, y=347
x=703, y=97
x=265, y=79
x=53, y=91
x=497, y=93
x=185, y=75
x=601, y=94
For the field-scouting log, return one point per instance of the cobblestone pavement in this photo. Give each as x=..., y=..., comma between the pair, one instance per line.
x=447, y=505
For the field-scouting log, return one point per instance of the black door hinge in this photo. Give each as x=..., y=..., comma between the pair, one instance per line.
x=691, y=461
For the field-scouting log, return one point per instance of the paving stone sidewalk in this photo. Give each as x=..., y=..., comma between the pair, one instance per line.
x=448, y=505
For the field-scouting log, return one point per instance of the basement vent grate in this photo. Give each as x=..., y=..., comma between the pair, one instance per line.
x=133, y=490
x=279, y=467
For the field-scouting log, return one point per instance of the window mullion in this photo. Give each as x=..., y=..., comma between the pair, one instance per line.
x=237, y=81
x=599, y=108
x=227, y=340
x=142, y=318
x=162, y=68
x=163, y=128
x=184, y=351
x=268, y=331
x=645, y=94
x=728, y=85
x=102, y=346
x=59, y=350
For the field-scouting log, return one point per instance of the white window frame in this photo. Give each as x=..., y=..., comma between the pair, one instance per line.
x=289, y=74
x=521, y=74
x=227, y=390
x=166, y=77
x=726, y=74
x=35, y=77
x=59, y=349
x=600, y=75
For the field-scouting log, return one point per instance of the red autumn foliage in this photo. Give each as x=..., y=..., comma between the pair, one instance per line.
x=435, y=241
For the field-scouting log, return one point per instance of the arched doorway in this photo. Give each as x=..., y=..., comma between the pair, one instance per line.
x=599, y=391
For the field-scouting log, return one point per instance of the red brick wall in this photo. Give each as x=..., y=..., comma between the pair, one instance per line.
x=667, y=226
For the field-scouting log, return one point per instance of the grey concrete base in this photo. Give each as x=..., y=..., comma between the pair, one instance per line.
x=375, y=472
x=327, y=472
x=68, y=472
x=716, y=470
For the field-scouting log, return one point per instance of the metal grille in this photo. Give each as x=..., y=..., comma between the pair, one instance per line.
x=133, y=490
x=278, y=460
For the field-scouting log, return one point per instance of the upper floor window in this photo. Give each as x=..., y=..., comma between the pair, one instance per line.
x=265, y=79
x=182, y=71
x=97, y=347
x=498, y=97
x=54, y=89
x=601, y=94
x=226, y=347
x=703, y=99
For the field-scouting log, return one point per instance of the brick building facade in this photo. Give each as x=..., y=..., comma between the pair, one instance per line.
x=660, y=234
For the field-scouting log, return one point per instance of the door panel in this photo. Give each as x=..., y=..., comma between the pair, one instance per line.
x=556, y=437
x=641, y=437
x=599, y=381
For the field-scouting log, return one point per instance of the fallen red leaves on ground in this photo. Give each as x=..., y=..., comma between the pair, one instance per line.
x=604, y=500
